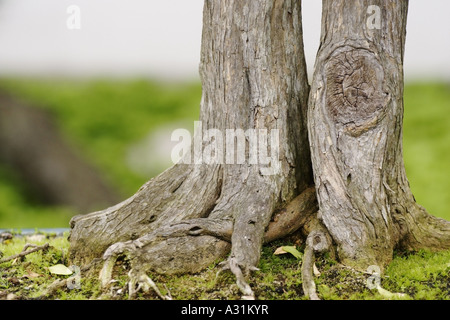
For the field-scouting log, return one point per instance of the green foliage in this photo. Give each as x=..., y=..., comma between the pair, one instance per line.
x=19, y=211
x=101, y=119
x=427, y=145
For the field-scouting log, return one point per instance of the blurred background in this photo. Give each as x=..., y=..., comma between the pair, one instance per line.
x=89, y=97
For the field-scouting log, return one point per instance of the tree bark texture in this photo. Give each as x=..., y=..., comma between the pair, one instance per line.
x=355, y=129
x=254, y=77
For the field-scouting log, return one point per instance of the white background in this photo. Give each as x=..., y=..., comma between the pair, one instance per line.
x=161, y=38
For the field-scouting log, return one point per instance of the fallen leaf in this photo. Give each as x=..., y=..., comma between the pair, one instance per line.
x=293, y=250
x=316, y=271
x=31, y=275
x=289, y=249
x=387, y=294
x=279, y=250
x=60, y=269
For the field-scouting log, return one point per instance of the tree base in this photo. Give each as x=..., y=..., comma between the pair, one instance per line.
x=189, y=243
x=188, y=218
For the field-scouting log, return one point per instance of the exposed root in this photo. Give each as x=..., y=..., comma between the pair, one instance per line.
x=294, y=216
x=142, y=282
x=232, y=265
x=138, y=281
x=240, y=280
x=317, y=241
x=179, y=194
x=191, y=245
x=106, y=272
x=309, y=286
x=219, y=228
x=421, y=230
x=54, y=287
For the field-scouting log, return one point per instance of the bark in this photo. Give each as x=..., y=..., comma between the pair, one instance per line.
x=355, y=129
x=254, y=77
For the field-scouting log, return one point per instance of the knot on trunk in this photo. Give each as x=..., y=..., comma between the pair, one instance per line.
x=354, y=89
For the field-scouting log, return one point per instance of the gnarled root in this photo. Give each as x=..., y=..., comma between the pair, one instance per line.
x=184, y=220
x=190, y=246
x=420, y=230
x=232, y=265
x=180, y=193
x=140, y=281
x=318, y=241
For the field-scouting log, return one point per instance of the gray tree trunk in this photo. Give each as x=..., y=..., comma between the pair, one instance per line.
x=355, y=128
x=254, y=77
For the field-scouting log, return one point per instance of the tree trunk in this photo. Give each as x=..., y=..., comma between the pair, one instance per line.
x=355, y=129
x=254, y=78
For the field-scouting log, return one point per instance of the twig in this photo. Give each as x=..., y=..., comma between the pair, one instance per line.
x=52, y=288
x=24, y=252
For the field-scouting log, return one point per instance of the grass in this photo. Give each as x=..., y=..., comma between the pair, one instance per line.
x=421, y=275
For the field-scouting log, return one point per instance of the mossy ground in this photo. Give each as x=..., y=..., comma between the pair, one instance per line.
x=421, y=276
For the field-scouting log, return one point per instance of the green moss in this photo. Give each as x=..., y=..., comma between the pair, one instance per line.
x=423, y=275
